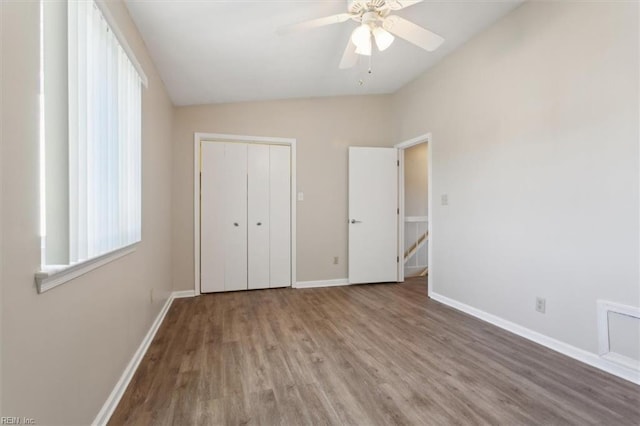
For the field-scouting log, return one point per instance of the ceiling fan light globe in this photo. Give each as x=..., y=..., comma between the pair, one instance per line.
x=361, y=36
x=364, y=49
x=383, y=38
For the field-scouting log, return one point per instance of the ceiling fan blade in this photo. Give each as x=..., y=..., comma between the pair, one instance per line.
x=413, y=33
x=401, y=4
x=349, y=57
x=315, y=23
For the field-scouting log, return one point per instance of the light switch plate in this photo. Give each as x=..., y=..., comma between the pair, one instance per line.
x=300, y=196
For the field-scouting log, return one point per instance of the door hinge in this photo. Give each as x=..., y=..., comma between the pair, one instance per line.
x=397, y=259
x=398, y=210
x=398, y=163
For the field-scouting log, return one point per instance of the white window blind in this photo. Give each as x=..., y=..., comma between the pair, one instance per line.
x=104, y=137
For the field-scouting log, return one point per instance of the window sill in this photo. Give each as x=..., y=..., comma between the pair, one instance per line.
x=51, y=276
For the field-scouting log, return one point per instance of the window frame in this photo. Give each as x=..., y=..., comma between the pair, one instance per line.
x=50, y=276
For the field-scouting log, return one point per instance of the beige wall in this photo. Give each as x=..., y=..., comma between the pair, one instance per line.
x=64, y=350
x=3, y=51
x=324, y=128
x=535, y=141
x=415, y=180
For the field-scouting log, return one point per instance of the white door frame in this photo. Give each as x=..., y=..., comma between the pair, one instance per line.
x=426, y=138
x=198, y=138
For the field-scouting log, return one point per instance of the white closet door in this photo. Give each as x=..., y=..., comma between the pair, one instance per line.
x=258, y=214
x=213, y=217
x=235, y=207
x=280, y=213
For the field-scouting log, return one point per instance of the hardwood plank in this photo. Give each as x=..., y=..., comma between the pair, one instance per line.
x=374, y=354
x=319, y=408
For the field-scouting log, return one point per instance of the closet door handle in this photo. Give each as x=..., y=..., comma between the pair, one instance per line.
x=235, y=224
x=259, y=223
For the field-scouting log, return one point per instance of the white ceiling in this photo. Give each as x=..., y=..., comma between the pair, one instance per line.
x=228, y=51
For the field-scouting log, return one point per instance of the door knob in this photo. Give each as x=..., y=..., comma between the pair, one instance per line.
x=235, y=224
x=355, y=221
x=259, y=223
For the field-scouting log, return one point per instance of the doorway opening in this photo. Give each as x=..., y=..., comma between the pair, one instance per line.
x=414, y=226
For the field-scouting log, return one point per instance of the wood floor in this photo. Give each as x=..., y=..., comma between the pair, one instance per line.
x=362, y=355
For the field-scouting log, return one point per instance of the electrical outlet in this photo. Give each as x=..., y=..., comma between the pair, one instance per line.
x=336, y=260
x=541, y=304
x=444, y=199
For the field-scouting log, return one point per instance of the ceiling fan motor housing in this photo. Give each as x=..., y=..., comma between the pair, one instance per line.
x=359, y=6
x=371, y=18
x=355, y=6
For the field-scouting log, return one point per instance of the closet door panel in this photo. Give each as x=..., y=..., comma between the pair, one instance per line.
x=235, y=207
x=280, y=214
x=213, y=217
x=258, y=215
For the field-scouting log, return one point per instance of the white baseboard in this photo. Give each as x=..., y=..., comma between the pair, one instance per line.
x=116, y=394
x=581, y=355
x=322, y=283
x=623, y=360
x=183, y=293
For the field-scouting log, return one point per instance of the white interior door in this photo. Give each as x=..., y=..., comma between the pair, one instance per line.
x=245, y=216
x=223, y=212
x=280, y=214
x=258, y=216
x=213, y=217
x=373, y=215
x=235, y=206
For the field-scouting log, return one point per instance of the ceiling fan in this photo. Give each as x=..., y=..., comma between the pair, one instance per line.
x=377, y=23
